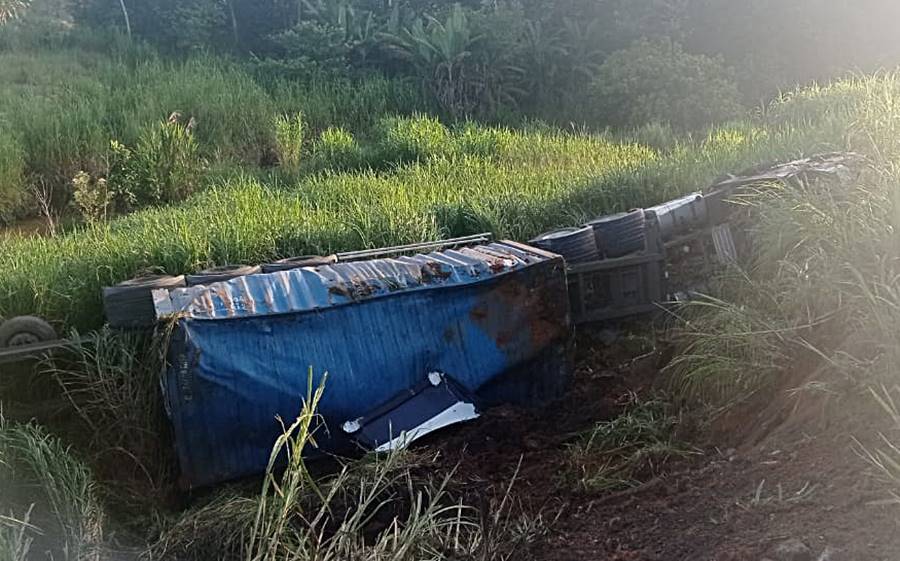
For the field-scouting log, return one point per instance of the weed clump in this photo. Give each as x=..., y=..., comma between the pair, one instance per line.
x=629, y=449
x=413, y=139
x=40, y=476
x=289, y=134
x=337, y=149
x=13, y=191
x=375, y=508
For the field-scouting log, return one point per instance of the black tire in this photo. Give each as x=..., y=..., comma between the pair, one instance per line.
x=297, y=262
x=26, y=330
x=220, y=274
x=618, y=235
x=129, y=304
x=576, y=245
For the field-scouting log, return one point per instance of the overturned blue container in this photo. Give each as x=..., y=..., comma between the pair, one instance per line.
x=494, y=318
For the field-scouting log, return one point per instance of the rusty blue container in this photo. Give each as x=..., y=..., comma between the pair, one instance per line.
x=242, y=350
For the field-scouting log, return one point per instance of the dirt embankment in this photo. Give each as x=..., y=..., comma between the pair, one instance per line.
x=779, y=479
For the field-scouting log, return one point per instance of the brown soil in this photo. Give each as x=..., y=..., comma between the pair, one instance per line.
x=754, y=485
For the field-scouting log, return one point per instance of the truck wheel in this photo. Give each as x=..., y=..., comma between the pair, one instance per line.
x=620, y=234
x=129, y=304
x=26, y=330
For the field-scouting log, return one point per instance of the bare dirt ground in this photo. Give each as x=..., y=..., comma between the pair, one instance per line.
x=780, y=473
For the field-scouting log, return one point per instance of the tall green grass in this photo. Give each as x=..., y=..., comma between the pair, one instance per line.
x=811, y=322
x=110, y=380
x=39, y=476
x=377, y=508
x=818, y=304
x=61, y=108
x=13, y=191
x=245, y=220
x=67, y=106
x=516, y=184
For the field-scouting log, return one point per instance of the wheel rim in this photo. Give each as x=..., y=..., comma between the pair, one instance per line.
x=22, y=339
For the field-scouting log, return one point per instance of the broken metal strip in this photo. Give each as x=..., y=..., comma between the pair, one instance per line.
x=380, y=252
x=457, y=413
x=435, y=403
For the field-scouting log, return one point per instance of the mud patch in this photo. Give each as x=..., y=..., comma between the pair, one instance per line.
x=798, y=479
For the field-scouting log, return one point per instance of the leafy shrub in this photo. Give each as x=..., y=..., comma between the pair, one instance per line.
x=164, y=167
x=415, y=138
x=437, y=52
x=659, y=81
x=64, y=107
x=312, y=47
x=93, y=197
x=12, y=177
x=233, y=113
x=196, y=24
x=289, y=130
x=338, y=149
x=465, y=61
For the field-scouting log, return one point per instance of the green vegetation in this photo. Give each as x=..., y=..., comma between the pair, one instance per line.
x=493, y=59
x=684, y=90
x=458, y=181
x=629, y=449
x=71, y=86
x=813, y=319
x=289, y=131
x=821, y=294
x=111, y=385
x=39, y=475
x=293, y=515
x=885, y=457
x=247, y=220
x=211, y=132
x=12, y=176
x=62, y=113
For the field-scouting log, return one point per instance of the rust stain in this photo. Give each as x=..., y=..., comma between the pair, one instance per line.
x=356, y=289
x=340, y=290
x=433, y=270
x=525, y=315
x=478, y=314
x=225, y=297
x=497, y=266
